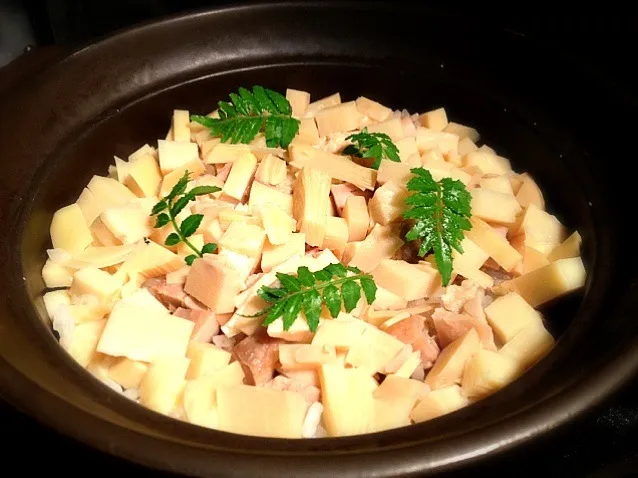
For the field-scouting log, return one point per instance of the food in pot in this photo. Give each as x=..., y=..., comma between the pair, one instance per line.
x=289, y=268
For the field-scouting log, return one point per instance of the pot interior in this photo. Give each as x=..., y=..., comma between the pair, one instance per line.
x=112, y=99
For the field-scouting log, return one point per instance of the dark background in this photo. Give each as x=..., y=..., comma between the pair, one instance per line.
x=603, y=443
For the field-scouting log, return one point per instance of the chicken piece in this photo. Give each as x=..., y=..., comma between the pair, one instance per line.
x=171, y=295
x=450, y=326
x=475, y=306
x=281, y=382
x=258, y=355
x=223, y=342
x=455, y=296
x=412, y=331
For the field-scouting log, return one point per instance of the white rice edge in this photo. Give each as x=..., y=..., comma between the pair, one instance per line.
x=64, y=324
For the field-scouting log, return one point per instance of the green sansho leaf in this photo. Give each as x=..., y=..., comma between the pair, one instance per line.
x=191, y=224
x=247, y=113
x=162, y=220
x=351, y=293
x=441, y=212
x=174, y=203
x=173, y=239
x=209, y=248
x=377, y=146
x=202, y=190
x=333, y=286
x=332, y=299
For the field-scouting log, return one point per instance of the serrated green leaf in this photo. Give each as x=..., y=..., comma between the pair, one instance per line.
x=354, y=269
x=179, y=187
x=351, y=293
x=274, y=312
x=203, y=120
x=280, y=101
x=369, y=289
x=162, y=220
x=173, y=239
x=264, y=102
x=159, y=207
x=180, y=204
x=305, y=276
x=337, y=269
x=312, y=309
x=191, y=224
x=209, y=248
x=288, y=282
x=190, y=259
x=376, y=146
x=322, y=275
x=271, y=294
x=202, y=190
x=441, y=211
x=291, y=310
x=241, y=119
x=332, y=299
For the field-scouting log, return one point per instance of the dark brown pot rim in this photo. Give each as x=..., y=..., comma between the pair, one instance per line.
x=383, y=457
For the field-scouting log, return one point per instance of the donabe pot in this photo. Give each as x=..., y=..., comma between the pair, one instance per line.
x=64, y=123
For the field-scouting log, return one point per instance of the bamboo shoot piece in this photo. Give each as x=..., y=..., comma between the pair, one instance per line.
x=299, y=101
x=392, y=127
x=408, y=281
x=392, y=171
x=181, y=125
x=161, y=386
x=222, y=153
x=462, y=131
x=273, y=255
x=487, y=372
x=271, y=170
x=335, y=166
x=278, y=224
x=510, y=314
x=319, y=105
x=494, y=244
x=541, y=230
x=240, y=176
x=69, y=230
x=529, y=345
x=529, y=193
x=144, y=177
x=261, y=195
x=381, y=243
x=355, y=212
x=435, y=120
x=309, y=198
x=241, y=409
x=449, y=366
x=336, y=235
x=439, y=402
x=493, y=206
x=373, y=109
x=549, y=282
x=342, y=117
x=488, y=163
x=388, y=203
x=244, y=239
x=568, y=249
x=175, y=154
x=214, y=284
